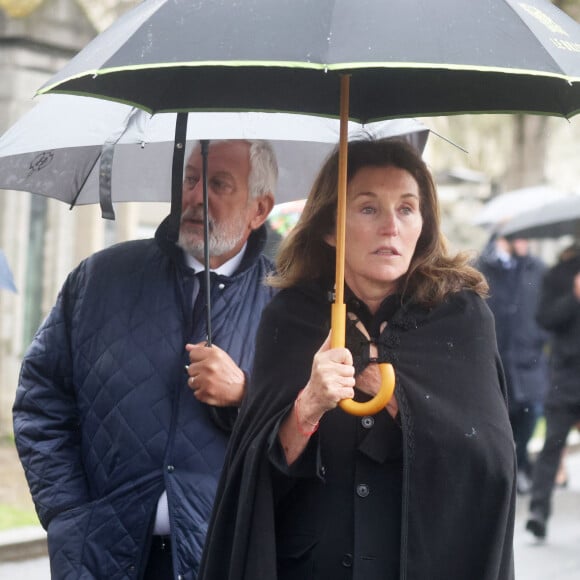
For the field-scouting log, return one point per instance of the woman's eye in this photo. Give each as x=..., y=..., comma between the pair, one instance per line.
x=368, y=210
x=190, y=181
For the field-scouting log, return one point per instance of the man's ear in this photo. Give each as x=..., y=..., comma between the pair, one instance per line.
x=264, y=205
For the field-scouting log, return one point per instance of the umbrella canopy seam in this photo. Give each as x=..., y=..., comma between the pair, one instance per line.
x=546, y=20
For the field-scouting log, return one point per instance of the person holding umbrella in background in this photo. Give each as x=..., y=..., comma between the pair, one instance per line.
x=121, y=411
x=558, y=313
x=515, y=279
x=425, y=488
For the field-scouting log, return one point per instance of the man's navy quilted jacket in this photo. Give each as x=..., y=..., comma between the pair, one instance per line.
x=103, y=417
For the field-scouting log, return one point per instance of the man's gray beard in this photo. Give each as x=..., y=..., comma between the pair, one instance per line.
x=220, y=242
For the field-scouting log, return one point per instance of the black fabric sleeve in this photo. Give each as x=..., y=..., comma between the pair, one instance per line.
x=307, y=465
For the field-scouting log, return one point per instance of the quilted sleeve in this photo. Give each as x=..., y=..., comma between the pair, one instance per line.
x=46, y=421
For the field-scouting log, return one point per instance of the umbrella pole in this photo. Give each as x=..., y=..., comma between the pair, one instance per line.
x=207, y=279
x=338, y=312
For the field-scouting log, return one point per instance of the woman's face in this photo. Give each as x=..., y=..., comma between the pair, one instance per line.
x=383, y=224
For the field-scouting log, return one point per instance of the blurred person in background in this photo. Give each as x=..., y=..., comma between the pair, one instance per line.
x=515, y=277
x=559, y=313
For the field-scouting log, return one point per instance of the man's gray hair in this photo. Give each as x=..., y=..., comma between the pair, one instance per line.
x=263, y=165
x=263, y=168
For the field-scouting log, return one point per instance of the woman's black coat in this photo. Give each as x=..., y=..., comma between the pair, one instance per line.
x=458, y=493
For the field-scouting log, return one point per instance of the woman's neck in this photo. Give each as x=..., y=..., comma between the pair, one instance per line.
x=372, y=295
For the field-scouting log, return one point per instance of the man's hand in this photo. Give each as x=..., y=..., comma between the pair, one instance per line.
x=214, y=377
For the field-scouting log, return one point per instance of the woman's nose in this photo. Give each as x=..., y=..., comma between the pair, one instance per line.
x=388, y=225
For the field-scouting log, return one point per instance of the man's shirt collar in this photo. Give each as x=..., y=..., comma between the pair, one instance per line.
x=226, y=269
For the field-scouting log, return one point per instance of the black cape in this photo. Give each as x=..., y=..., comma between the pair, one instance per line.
x=458, y=501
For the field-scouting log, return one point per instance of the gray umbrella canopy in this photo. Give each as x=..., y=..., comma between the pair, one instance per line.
x=510, y=204
x=406, y=57
x=557, y=218
x=82, y=150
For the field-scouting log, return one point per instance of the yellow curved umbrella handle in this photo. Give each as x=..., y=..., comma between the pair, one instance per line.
x=379, y=401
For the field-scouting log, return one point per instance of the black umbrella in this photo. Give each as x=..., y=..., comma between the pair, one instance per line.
x=405, y=57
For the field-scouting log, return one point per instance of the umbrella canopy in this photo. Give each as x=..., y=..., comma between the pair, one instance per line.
x=406, y=57
x=560, y=217
x=82, y=150
x=6, y=278
x=510, y=204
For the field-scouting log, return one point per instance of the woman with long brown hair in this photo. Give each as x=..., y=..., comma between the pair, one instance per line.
x=422, y=490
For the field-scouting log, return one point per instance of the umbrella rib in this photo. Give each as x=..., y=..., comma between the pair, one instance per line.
x=73, y=203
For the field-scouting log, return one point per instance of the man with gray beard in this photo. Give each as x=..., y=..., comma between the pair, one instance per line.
x=121, y=411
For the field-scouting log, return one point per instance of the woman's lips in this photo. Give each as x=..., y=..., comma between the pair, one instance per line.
x=386, y=251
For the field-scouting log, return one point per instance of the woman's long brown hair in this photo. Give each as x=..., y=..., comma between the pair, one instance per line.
x=304, y=255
